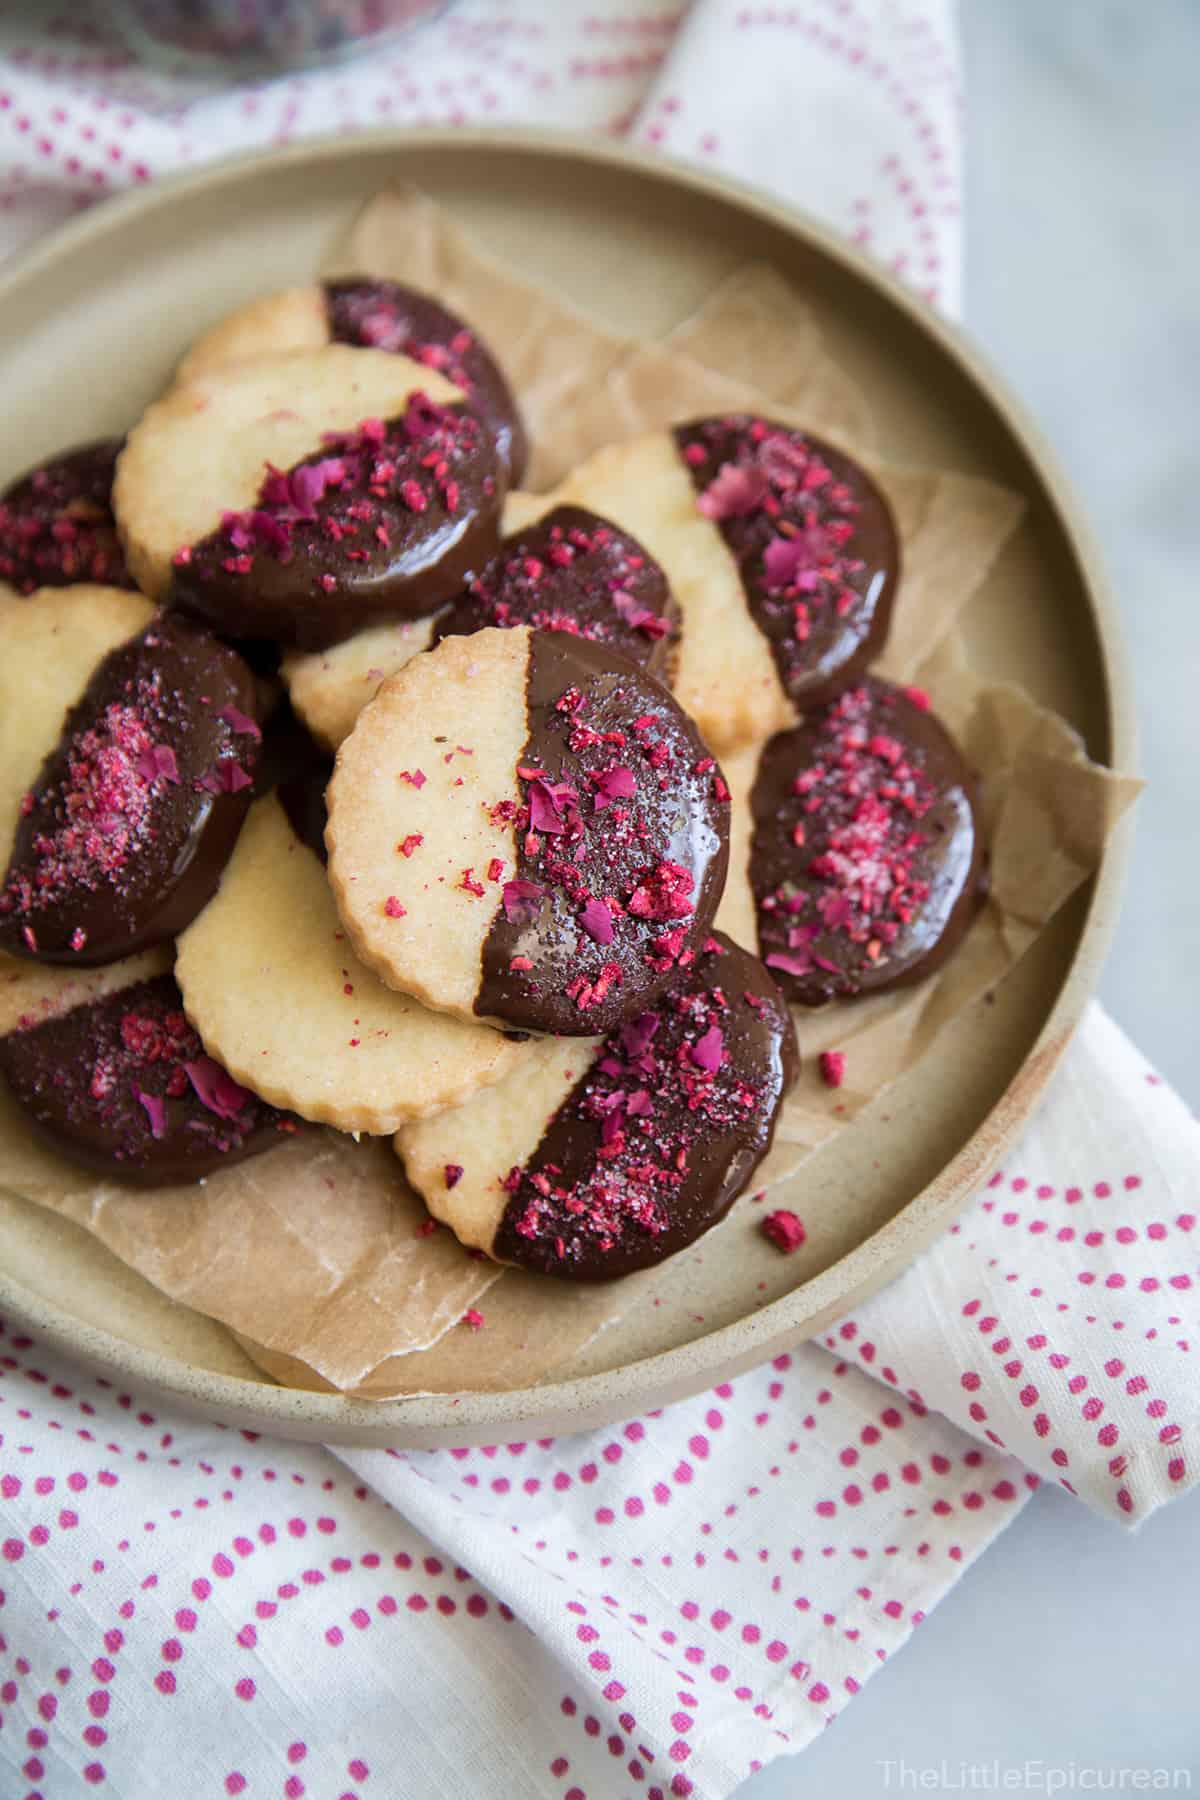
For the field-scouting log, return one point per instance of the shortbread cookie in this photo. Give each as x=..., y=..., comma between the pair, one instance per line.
x=57, y=525
x=299, y=497
x=527, y=829
x=122, y=1084
x=329, y=688
x=31, y=993
x=573, y=571
x=600, y=1158
x=273, y=987
x=866, y=861
x=50, y=646
x=125, y=830
x=780, y=551
x=375, y=315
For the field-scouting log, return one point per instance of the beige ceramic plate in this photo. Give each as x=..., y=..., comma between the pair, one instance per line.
x=90, y=326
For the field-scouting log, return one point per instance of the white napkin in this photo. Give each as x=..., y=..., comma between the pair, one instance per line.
x=665, y=1606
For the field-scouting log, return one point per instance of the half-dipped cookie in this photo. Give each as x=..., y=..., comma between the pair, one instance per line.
x=569, y=571
x=573, y=571
x=301, y=497
x=273, y=986
x=524, y=827
x=123, y=1085
x=781, y=552
x=374, y=315
x=57, y=525
x=866, y=861
x=122, y=836
x=600, y=1157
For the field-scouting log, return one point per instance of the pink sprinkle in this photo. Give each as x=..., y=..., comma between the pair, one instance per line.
x=474, y=1318
x=216, y=1089
x=416, y=778
x=393, y=908
x=919, y=698
x=453, y=1174
x=412, y=842
x=832, y=1064
x=597, y=922
x=784, y=1230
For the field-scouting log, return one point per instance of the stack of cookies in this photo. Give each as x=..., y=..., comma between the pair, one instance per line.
x=345, y=785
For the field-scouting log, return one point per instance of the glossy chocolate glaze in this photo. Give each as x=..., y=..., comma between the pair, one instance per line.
x=814, y=542
x=384, y=315
x=116, y=1085
x=664, y=1130
x=574, y=571
x=136, y=810
x=57, y=526
x=890, y=869
x=656, y=855
x=385, y=522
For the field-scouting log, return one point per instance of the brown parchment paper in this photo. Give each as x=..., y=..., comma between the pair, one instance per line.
x=313, y=1255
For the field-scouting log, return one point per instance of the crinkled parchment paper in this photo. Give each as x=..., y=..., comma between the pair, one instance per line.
x=313, y=1254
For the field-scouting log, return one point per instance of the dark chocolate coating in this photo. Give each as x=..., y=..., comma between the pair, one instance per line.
x=77, y=1079
x=117, y=853
x=890, y=871
x=610, y=1189
x=573, y=571
x=400, y=517
x=384, y=315
x=660, y=854
x=302, y=797
x=826, y=614
x=57, y=526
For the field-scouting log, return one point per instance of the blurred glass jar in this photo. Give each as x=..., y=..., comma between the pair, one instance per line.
x=242, y=38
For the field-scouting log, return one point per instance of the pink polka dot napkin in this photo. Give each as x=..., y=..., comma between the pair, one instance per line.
x=662, y=1607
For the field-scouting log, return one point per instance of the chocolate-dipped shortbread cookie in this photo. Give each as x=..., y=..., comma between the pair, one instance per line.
x=573, y=571
x=603, y=1156
x=122, y=835
x=276, y=991
x=374, y=315
x=122, y=1084
x=866, y=861
x=57, y=525
x=300, y=497
x=780, y=550
x=525, y=828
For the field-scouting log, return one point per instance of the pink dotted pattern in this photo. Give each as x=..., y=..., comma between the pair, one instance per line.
x=762, y=92
x=664, y=1606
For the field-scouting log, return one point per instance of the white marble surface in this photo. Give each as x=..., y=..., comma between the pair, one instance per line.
x=1070, y=1642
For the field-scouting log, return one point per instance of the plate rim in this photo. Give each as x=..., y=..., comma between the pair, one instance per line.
x=429, y=1420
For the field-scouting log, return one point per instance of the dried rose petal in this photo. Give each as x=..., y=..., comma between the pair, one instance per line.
x=618, y=783
x=798, y=964
x=708, y=1050
x=239, y=722
x=155, y=1109
x=597, y=922
x=521, y=901
x=215, y=1088
x=548, y=801
x=733, y=492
